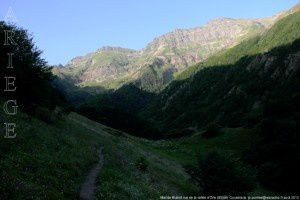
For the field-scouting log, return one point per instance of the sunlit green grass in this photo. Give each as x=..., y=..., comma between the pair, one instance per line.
x=45, y=161
x=120, y=178
x=186, y=149
x=51, y=161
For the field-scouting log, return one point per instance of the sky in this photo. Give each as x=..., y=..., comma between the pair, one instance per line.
x=64, y=29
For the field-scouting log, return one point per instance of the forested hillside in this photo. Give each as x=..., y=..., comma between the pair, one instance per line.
x=34, y=93
x=197, y=112
x=221, y=89
x=53, y=149
x=236, y=84
x=254, y=85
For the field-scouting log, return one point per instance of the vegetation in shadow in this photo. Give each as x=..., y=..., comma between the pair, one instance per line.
x=33, y=77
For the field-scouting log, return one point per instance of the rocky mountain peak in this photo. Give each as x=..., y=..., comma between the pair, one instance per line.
x=117, y=49
x=113, y=66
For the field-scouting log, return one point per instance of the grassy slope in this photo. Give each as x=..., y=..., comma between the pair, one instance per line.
x=45, y=161
x=284, y=32
x=51, y=161
x=120, y=179
x=232, y=142
x=185, y=102
x=185, y=149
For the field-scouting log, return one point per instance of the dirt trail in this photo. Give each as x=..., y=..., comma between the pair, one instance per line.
x=87, y=191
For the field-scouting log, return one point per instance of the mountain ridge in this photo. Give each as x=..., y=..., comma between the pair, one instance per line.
x=168, y=54
x=257, y=55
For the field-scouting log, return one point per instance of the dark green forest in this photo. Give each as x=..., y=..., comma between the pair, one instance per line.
x=35, y=93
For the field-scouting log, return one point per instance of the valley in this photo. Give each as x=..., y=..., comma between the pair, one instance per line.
x=206, y=111
x=73, y=143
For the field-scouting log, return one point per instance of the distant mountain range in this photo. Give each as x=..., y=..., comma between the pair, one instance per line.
x=220, y=103
x=156, y=65
x=237, y=86
x=227, y=86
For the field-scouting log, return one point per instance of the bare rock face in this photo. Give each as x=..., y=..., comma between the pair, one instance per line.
x=267, y=64
x=292, y=65
x=111, y=67
x=187, y=46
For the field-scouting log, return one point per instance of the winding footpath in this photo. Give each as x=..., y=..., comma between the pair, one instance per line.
x=88, y=188
x=87, y=191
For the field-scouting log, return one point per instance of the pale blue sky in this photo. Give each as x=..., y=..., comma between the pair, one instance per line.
x=63, y=29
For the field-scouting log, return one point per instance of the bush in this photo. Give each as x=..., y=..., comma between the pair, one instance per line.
x=219, y=175
x=67, y=110
x=276, y=156
x=142, y=164
x=269, y=174
x=45, y=115
x=212, y=130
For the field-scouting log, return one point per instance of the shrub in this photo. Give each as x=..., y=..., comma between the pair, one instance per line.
x=142, y=164
x=276, y=156
x=269, y=174
x=212, y=129
x=45, y=115
x=67, y=109
x=219, y=175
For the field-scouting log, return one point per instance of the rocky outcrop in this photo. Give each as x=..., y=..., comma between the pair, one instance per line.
x=269, y=64
x=110, y=67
